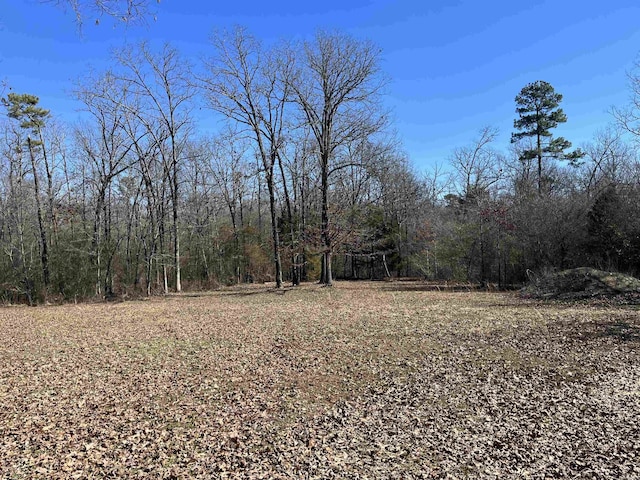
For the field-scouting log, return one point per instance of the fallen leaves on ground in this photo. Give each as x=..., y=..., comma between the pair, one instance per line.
x=357, y=381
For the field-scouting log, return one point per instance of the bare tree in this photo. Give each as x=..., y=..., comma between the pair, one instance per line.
x=228, y=169
x=337, y=84
x=250, y=86
x=288, y=190
x=435, y=182
x=106, y=146
x=478, y=166
x=201, y=207
x=125, y=11
x=478, y=171
x=16, y=211
x=162, y=83
x=299, y=181
x=608, y=160
x=155, y=183
x=628, y=117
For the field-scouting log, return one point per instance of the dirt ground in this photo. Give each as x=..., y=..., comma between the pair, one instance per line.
x=362, y=381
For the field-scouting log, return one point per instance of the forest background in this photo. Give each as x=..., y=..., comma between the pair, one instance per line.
x=306, y=179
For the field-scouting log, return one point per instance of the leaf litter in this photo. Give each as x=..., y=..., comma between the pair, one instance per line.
x=359, y=381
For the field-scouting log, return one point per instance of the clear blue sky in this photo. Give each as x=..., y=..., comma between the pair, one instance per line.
x=455, y=66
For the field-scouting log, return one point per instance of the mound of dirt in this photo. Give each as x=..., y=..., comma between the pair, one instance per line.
x=582, y=283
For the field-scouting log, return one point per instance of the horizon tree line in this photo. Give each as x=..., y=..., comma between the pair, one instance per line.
x=306, y=181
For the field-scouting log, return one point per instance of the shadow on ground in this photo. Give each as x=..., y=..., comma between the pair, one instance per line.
x=622, y=331
x=618, y=330
x=422, y=287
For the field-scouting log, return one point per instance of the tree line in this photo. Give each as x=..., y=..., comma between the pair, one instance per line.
x=305, y=180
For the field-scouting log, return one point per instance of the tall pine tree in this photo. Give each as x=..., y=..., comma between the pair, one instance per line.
x=24, y=108
x=538, y=111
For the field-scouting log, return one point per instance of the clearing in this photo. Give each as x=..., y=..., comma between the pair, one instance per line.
x=363, y=380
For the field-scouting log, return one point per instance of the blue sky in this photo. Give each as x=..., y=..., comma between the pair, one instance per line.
x=455, y=66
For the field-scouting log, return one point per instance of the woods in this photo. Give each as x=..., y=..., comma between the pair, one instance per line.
x=237, y=244
x=279, y=163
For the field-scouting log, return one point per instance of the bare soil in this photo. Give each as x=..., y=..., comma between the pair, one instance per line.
x=357, y=381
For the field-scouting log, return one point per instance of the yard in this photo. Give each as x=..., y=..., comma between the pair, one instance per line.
x=363, y=380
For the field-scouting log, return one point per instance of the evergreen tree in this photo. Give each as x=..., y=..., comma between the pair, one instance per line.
x=539, y=112
x=24, y=109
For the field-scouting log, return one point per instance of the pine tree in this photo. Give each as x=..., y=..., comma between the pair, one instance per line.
x=24, y=108
x=539, y=112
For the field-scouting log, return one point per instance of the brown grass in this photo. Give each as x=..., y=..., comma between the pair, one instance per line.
x=356, y=381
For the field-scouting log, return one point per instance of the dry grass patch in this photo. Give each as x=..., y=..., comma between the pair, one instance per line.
x=357, y=381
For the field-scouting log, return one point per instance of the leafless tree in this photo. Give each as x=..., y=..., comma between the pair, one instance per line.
x=229, y=171
x=436, y=181
x=105, y=145
x=478, y=171
x=250, y=86
x=337, y=84
x=478, y=166
x=628, y=117
x=300, y=180
x=162, y=83
x=125, y=11
x=16, y=210
x=155, y=183
x=608, y=160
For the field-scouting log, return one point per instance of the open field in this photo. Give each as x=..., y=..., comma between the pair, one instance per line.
x=364, y=380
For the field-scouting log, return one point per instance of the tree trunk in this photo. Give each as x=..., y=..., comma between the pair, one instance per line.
x=303, y=227
x=274, y=228
x=326, y=277
x=176, y=237
x=109, y=248
x=259, y=205
x=328, y=270
x=386, y=267
x=44, y=252
x=164, y=279
x=96, y=244
x=50, y=200
x=295, y=278
x=539, y=151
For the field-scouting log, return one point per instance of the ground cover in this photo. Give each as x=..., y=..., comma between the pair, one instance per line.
x=363, y=380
